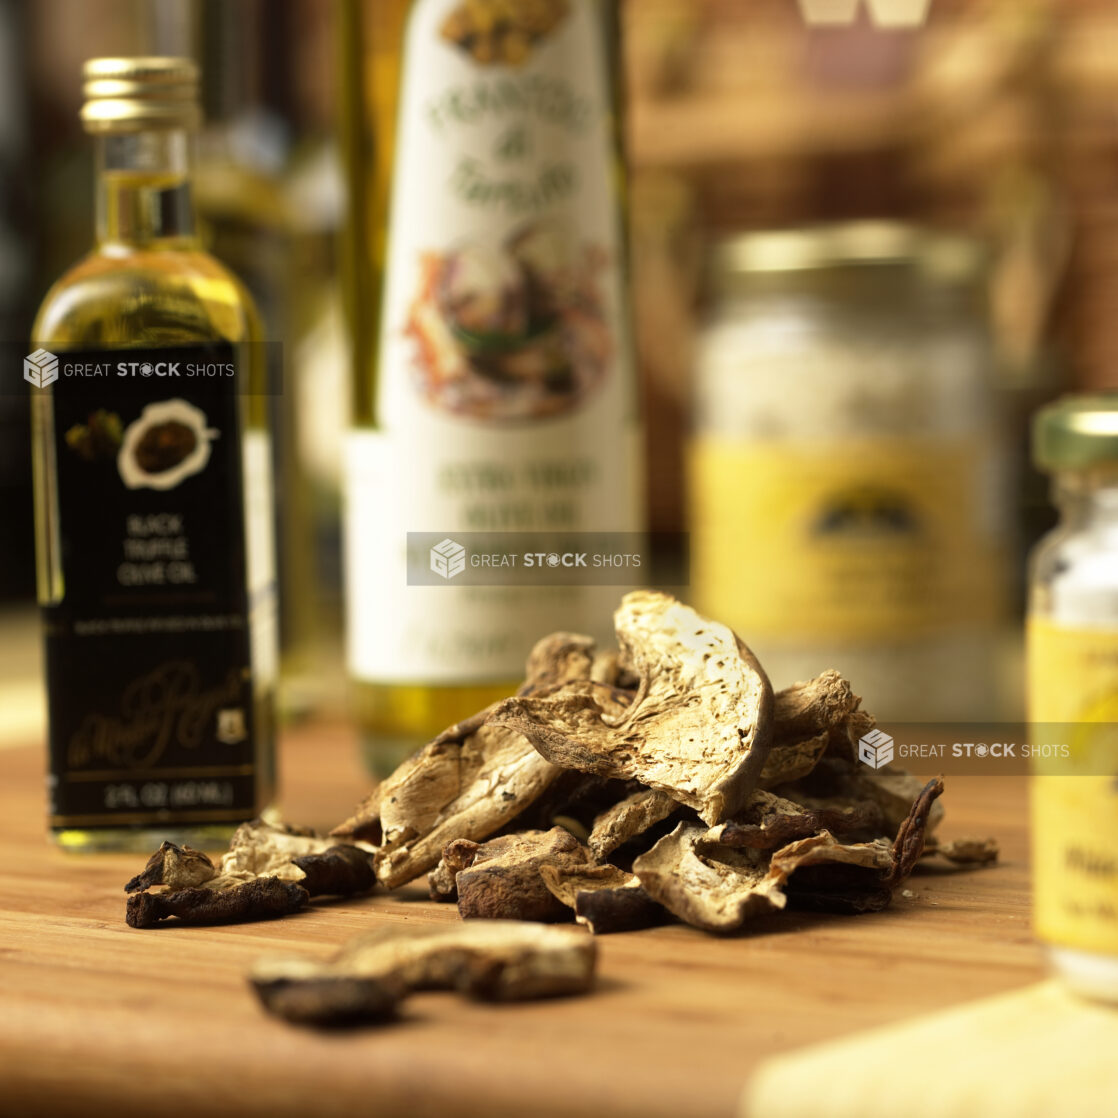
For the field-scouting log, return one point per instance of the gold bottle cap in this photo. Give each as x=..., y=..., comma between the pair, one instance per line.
x=136, y=94
x=1077, y=432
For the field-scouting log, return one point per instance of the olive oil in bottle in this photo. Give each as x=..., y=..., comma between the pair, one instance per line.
x=153, y=498
x=494, y=385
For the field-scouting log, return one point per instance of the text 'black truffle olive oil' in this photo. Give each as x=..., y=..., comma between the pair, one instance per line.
x=152, y=469
x=494, y=384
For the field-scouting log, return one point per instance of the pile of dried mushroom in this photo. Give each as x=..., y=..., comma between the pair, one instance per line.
x=620, y=788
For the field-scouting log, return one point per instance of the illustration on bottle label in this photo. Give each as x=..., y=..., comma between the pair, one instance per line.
x=505, y=392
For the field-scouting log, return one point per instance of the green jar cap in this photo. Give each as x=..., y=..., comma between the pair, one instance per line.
x=1076, y=432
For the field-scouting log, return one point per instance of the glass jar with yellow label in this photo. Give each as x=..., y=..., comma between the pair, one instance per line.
x=845, y=486
x=1073, y=694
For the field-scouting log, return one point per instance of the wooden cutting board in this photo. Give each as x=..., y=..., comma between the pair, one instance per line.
x=1032, y=1053
x=97, y=1018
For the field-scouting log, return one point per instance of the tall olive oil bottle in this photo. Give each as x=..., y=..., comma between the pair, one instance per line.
x=494, y=386
x=153, y=498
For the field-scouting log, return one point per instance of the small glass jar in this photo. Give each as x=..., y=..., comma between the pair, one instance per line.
x=846, y=476
x=1073, y=695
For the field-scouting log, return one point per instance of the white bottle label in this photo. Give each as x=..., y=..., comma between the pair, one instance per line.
x=505, y=388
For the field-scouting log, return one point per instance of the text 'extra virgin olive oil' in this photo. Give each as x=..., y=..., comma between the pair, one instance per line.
x=153, y=498
x=494, y=382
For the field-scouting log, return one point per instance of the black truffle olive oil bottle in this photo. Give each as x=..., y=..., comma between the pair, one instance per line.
x=494, y=389
x=153, y=498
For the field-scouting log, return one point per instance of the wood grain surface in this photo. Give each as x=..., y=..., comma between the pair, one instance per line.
x=97, y=1018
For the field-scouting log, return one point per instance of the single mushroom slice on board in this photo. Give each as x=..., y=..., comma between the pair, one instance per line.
x=493, y=960
x=698, y=727
x=262, y=898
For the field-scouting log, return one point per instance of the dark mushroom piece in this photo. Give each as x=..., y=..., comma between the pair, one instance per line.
x=491, y=960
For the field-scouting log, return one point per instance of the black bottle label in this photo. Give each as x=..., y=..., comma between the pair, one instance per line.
x=148, y=652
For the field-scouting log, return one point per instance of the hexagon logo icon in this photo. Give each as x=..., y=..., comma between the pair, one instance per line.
x=448, y=558
x=40, y=368
x=875, y=749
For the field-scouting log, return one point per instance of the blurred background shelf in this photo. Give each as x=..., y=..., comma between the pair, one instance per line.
x=994, y=117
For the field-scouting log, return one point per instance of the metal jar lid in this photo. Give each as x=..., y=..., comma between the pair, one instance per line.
x=814, y=247
x=136, y=94
x=1077, y=432
x=870, y=248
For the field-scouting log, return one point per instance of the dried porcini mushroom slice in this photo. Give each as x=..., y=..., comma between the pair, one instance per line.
x=810, y=719
x=452, y=789
x=836, y=783
x=603, y=897
x=307, y=993
x=502, y=879
x=714, y=894
x=698, y=727
x=264, y=898
x=628, y=818
x=909, y=843
x=339, y=871
x=494, y=960
x=893, y=789
x=573, y=801
x=177, y=867
x=297, y=854
x=830, y=876
x=962, y=852
x=825, y=703
x=442, y=881
x=769, y=821
x=269, y=870
x=557, y=659
x=717, y=887
x=850, y=888
x=476, y=777
x=793, y=760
